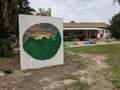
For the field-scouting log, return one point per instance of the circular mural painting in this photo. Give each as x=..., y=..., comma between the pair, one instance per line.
x=42, y=41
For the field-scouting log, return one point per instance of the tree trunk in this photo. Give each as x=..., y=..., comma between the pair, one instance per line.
x=2, y=25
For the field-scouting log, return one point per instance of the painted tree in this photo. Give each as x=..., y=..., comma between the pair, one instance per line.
x=115, y=26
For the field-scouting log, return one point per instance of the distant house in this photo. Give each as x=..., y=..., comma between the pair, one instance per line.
x=80, y=31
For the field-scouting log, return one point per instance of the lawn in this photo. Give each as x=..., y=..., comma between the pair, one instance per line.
x=113, y=52
x=70, y=75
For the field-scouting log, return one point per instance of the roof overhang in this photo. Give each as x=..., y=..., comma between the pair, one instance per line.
x=81, y=29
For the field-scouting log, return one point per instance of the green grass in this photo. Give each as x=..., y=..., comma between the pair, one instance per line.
x=78, y=85
x=112, y=51
x=75, y=85
x=100, y=49
x=3, y=58
x=81, y=63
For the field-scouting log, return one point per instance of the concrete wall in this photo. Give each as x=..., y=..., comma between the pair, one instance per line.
x=105, y=32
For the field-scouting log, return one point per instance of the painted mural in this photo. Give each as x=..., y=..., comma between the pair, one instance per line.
x=42, y=41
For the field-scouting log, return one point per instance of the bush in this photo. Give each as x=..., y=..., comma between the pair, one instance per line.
x=6, y=50
x=115, y=26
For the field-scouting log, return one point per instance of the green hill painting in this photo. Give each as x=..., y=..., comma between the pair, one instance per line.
x=42, y=41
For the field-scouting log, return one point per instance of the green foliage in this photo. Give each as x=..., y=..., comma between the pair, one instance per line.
x=6, y=50
x=9, y=10
x=118, y=1
x=116, y=82
x=24, y=7
x=78, y=85
x=115, y=26
x=43, y=12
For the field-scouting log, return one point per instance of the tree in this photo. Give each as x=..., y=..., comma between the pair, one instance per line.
x=117, y=1
x=43, y=12
x=72, y=21
x=23, y=8
x=9, y=10
x=115, y=26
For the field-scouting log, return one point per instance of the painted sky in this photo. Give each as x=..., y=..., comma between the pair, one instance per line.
x=79, y=10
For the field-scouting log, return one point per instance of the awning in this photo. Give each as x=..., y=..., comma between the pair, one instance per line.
x=82, y=29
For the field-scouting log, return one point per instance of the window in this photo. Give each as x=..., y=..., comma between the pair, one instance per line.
x=80, y=32
x=75, y=33
x=106, y=31
x=65, y=33
x=102, y=31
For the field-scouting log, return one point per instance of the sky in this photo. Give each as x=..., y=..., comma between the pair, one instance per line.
x=79, y=10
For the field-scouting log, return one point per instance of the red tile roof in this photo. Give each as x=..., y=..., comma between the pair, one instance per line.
x=86, y=25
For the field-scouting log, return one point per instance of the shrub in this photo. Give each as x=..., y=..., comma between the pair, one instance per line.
x=6, y=50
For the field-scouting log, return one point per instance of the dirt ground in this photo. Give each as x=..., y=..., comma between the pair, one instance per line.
x=56, y=77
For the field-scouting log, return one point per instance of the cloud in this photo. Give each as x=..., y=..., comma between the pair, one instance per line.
x=79, y=10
